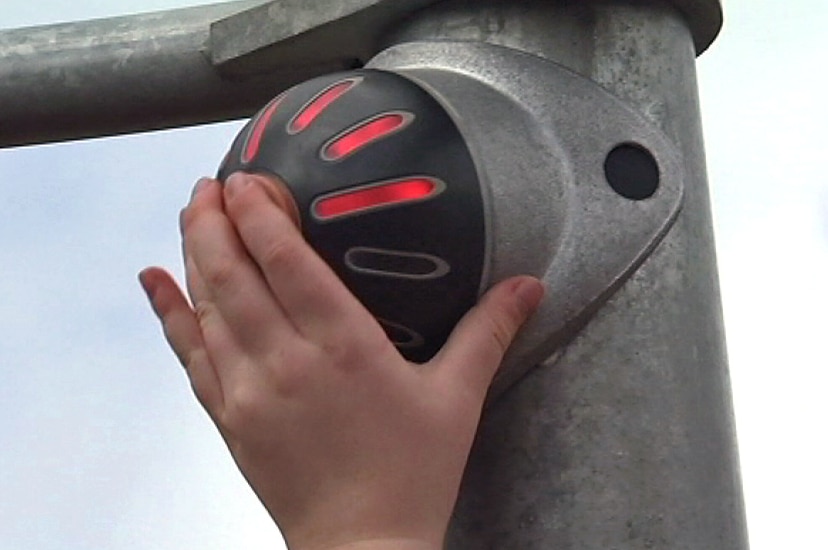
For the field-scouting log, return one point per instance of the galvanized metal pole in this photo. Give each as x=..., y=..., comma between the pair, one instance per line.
x=625, y=439
x=107, y=76
x=177, y=67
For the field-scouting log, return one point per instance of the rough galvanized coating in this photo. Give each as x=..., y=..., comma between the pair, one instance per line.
x=625, y=438
x=188, y=66
x=540, y=160
x=177, y=67
x=283, y=33
x=125, y=74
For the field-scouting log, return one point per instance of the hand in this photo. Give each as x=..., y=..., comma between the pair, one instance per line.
x=346, y=443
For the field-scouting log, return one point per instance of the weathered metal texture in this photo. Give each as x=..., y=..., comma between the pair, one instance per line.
x=537, y=160
x=178, y=67
x=117, y=75
x=196, y=65
x=625, y=438
x=296, y=33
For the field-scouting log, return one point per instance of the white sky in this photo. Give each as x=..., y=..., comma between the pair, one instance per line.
x=102, y=445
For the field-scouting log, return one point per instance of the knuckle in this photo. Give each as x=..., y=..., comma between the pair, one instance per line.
x=206, y=389
x=281, y=251
x=354, y=351
x=188, y=217
x=291, y=380
x=193, y=360
x=345, y=349
x=241, y=410
x=204, y=395
x=203, y=311
x=342, y=355
x=220, y=274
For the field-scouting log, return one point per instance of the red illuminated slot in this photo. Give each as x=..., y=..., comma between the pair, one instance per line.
x=312, y=110
x=383, y=195
x=364, y=134
x=254, y=139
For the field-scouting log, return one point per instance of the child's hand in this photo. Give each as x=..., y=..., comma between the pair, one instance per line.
x=346, y=443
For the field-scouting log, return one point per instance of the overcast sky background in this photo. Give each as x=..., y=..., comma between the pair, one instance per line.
x=102, y=444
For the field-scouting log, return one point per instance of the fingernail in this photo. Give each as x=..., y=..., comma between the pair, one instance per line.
x=530, y=292
x=200, y=185
x=142, y=278
x=149, y=289
x=235, y=182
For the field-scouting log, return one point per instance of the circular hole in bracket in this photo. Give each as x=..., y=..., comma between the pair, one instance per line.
x=632, y=171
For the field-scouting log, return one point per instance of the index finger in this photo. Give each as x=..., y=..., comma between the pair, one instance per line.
x=308, y=290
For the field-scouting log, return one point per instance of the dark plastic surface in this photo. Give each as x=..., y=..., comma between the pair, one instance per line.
x=446, y=229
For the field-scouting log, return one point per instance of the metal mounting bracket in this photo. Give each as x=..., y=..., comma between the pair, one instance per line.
x=285, y=33
x=540, y=136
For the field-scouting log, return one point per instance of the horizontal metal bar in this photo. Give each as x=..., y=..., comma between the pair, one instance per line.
x=196, y=65
x=301, y=32
x=126, y=74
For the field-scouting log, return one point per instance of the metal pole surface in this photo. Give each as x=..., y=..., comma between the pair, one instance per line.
x=107, y=76
x=625, y=439
x=134, y=73
x=177, y=67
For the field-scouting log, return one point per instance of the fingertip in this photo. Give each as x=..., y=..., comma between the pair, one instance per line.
x=206, y=197
x=167, y=301
x=275, y=190
x=150, y=280
x=142, y=277
x=145, y=279
x=202, y=184
x=477, y=345
x=235, y=183
x=183, y=333
x=528, y=293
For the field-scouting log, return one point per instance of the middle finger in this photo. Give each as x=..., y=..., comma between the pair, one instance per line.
x=221, y=271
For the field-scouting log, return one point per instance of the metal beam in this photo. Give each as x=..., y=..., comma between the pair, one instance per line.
x=118, y=75
x=178, y=67
x=297, y=33
x=197, y=65
x=625, y=437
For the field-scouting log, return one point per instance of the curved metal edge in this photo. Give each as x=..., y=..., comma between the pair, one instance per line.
x=705, y=19
x=601, y=238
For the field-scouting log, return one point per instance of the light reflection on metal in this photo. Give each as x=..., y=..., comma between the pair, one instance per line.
x=197, y=65
x=623, y=437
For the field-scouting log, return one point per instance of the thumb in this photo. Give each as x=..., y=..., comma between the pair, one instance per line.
x=475, y=349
